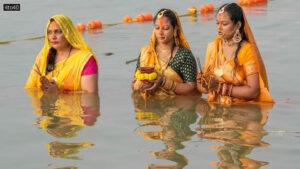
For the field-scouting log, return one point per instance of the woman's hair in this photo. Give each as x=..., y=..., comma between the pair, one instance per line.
x=51, y=56
x=235, y=13
x=169, y=14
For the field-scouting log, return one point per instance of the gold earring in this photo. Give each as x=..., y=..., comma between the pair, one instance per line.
x=237, y=37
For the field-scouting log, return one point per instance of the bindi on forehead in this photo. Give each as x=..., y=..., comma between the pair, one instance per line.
x=221, y=13
x=163, y=21
x=223, y=17
x=53, y=26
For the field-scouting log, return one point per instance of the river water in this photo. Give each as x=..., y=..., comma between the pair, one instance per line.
x=117, y=130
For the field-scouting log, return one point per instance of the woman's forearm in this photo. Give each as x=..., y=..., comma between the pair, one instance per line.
x=185, y=88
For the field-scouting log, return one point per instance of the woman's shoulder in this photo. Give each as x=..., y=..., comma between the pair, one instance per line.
x=246, y=52
x=210, y=46
x=83, y=53
x=184, y=54
x=184, y=51
x=144, y=48
x=245, y=45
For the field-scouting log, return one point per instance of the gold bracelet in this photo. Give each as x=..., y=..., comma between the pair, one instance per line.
x=230, y=90
x=218, y=90
x=224, y=89
x=171, y=84
x=209, y=83
x=167, y=84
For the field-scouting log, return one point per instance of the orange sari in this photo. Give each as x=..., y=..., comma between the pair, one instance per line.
x=250, y=62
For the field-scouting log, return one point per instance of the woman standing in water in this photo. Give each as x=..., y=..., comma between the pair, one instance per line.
x=65, y=63
x=169, y=56
x=233, y=70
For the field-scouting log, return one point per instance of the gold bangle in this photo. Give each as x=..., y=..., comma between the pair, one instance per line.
x=167, y=84
x=224, y=89
x=230, y=90
x=209, y=83
x=171, y=84
x=218, y=90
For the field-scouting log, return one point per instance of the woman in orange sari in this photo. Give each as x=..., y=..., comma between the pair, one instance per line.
x=65, y=63
x=233, y=70
x=173, y=69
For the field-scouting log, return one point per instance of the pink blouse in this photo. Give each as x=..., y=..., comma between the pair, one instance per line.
x=90, y=67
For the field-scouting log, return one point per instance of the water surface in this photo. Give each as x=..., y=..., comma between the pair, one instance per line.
x=117, y=130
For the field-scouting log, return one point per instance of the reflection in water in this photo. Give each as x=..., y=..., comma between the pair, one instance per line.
x=239, y=128
x=173, y=116
x=192, y=18
x=66, y=167
x=206, y=17
x=258, y=9
x=65, y=150
x=62, y=116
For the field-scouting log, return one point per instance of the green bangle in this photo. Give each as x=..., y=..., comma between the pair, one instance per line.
x=173, y=86
x=163, y=82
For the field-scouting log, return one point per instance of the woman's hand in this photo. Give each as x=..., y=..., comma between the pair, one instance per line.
x=156, y=84
x=206, y=83
x=48, y=86
x=138, y=85
x=200, y=83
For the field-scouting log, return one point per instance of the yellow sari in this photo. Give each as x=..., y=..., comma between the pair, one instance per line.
x=149, y=58
x=250, y=62
x=67, y=72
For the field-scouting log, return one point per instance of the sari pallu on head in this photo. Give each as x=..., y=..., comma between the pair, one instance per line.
x=148, y=56
x=71, y=34
x=75, y=39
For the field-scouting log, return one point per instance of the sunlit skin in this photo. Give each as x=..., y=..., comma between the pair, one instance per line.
x=56, y=37
x=226, y=29
x=164, y=33
x=57, y=40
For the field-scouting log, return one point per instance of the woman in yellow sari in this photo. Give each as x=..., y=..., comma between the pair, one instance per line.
x=233, y=70
x=169, y=54
x=65, y=63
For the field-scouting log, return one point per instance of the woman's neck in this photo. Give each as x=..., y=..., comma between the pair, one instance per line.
x=165, y=46
x=63, y=53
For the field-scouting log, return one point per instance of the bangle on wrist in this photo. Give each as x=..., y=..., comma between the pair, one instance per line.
x=173, y=86
x=230, y=90
x=163, y=82
x=224, y=89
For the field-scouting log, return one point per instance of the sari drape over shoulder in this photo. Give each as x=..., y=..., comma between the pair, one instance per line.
x=148, y=57
x=67, y=72
x=250, y=62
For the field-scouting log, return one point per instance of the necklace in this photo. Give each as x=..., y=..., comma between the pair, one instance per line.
x=220, y=71
x=228, y=42
x=60, y=69
x=169, y=60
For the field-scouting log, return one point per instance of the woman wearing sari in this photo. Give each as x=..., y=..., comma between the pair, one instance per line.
x=65, y=63
x=233, y=70
x=169, y=56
